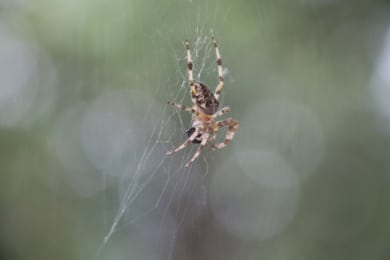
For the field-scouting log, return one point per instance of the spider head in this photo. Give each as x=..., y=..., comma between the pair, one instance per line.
x=205, y=99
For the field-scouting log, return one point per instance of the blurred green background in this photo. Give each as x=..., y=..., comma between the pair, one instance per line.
x=84, y=128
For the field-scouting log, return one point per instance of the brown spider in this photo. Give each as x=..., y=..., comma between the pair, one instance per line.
x=204, y=111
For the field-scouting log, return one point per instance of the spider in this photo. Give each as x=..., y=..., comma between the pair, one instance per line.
x=204, y=111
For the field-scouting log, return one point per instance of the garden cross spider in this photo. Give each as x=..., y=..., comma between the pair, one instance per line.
x=204, y=111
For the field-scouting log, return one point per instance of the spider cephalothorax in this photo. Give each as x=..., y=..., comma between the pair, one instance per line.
x=204, y=111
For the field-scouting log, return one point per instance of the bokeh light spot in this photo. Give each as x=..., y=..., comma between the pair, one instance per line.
x=247, y=208
x=287, y=128
x=267, y=168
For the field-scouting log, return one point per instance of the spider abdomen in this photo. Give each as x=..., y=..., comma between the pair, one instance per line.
x=205, y=99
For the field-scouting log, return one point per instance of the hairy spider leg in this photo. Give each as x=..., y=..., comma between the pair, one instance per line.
x=219, y=88
x=233, y=126
x=180, y=106
x=221, y=112
x=202, y=144
x=190, y=74
x=186, y=142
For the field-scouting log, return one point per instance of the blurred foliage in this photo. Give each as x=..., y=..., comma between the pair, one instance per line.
x=320, y=54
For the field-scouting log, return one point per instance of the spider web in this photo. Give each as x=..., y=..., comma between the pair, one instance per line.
x=85, y=86
x=158, y=199
x=154, y=208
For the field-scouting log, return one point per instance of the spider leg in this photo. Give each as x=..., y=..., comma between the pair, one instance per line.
x=189, y=63
x=221, y=112
x=186, y=142
x=190, y=73
x=205, y=137
x=180, y=106
x=219, y=88
x=233, y=126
